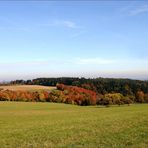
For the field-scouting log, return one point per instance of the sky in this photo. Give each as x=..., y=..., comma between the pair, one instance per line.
x=73, y=39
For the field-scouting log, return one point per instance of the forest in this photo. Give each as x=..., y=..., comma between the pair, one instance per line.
x=81, y=91
x=99, y=85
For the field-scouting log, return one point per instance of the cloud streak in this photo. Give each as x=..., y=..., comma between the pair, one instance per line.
x=88, y=67
x=62, y=23
x=74, y=61
x=93, y=61
x=69, y=24
x=137, y=11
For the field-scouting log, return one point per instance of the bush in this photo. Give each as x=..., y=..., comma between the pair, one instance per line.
x=146, y=98
x=76, y=95
x=140, y=97
x=127, y=100
x=115, y=98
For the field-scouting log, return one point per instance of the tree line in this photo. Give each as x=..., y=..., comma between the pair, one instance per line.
x=99, y=85
x=108, y=90
x=72, y=95
x=63, y=94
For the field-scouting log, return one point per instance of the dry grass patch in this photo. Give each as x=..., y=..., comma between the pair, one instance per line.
x=27, y=87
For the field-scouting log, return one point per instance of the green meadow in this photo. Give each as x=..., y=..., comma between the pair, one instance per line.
x=50, y=125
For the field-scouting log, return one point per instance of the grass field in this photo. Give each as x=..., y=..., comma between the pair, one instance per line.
x=27, y=124
x=27, y=87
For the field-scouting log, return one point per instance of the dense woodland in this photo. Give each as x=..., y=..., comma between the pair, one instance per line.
x=99, y=85
x=82, y=91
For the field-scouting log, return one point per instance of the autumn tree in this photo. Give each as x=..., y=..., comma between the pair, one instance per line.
x=140, y=96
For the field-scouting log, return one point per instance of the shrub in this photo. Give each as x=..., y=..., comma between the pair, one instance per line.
x=76, y=95
x=106, y=101
x=146, y=98
x=140, y=96
x=99, y=98
x=127, y=100
x=110, y=98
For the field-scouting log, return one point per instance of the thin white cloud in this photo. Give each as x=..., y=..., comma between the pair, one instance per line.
x=139, y=10
x=117, y=63
x=61, y=23
x=69, y=24
x=75, y=61
x=88, y=67
x=93, y=61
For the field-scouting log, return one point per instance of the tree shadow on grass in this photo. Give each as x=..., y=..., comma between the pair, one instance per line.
x=110, y=106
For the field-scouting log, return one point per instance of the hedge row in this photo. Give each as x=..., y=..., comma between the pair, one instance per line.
x=73, y=95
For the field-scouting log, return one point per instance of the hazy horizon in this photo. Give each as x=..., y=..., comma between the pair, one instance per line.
x=73, y=39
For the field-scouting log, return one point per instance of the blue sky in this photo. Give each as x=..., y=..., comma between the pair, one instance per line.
x=84, y=39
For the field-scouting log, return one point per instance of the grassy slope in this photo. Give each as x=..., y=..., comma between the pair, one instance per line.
x=60, y=125
x=27, y=87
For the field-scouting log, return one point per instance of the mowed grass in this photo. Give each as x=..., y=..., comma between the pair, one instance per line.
x=27, y=87
x=41, y=125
